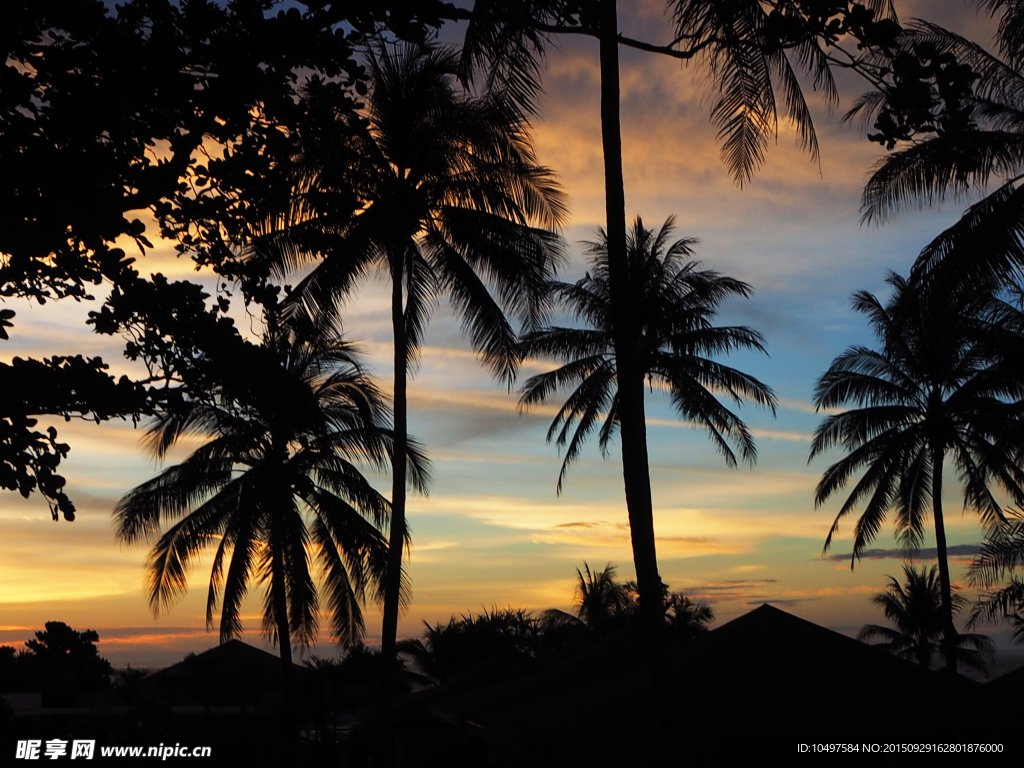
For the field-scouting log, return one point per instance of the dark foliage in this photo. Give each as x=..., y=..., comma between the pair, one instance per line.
x=452, y=203
x=506, y=641
x=675, y=346
x=275, y=486
x=60, y=662
x=955, y=121
x=186, y=112
x=352, y=680
x=939, y=383
x=686, y=619
x=754, y=50
x=1000, y=560
x=915, y=608
x=506, y=636
x=944, y=382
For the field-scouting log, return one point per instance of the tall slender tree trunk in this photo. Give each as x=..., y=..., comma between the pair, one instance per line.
x=949, y=629
x=633, y=427
x=284, y=641
x=281, y=608
x=393, y=583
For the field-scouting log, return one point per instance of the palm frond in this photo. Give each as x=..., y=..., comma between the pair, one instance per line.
x=482, y=318
x=506, y=49
x=302, y=430
x=985, y=245
x=926, y=173
x=677, y=302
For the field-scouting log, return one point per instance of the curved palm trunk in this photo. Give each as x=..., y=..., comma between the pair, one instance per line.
x=949, y=629
x=633, y=427
x=393, y=583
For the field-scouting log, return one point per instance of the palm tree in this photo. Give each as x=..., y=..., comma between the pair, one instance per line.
x=451, y=202
x=602, y=603
x=999, y=559
x=672, y=345
x=687, y=619
x=915, y=607
x=600, y=600
x=673, y=304
x=932, y=389
x=275, y=486
x=508, y=43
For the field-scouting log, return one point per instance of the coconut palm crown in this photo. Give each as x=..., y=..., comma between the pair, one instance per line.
x=275, y=490
x=934, y=387
x=451, y=202
x=677, y=302
x=600, y=599
x=915, y=608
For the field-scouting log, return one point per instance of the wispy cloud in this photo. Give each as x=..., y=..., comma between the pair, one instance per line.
x=960, y=551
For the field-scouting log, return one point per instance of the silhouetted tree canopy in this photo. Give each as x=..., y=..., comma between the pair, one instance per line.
x=60, y=662
x=184, y=112
x=506, y=641
x=915, y=607
x=753, y=49
x=510, y=636
x=943, y=382
x=275, y=487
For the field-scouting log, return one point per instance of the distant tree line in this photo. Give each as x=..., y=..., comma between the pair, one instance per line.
x=60, y=663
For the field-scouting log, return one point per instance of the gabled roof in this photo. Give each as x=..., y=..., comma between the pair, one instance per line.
x=232, y=654
x=777, y=673
x=233, y=673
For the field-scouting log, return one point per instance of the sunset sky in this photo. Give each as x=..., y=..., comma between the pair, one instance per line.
x=493, y=532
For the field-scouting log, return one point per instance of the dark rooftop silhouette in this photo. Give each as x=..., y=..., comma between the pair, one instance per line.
x=233, y=674
x=764, y=677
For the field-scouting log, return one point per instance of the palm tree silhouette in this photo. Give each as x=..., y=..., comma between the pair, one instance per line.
x=510, y=635
x=932, y=389
x=687, y=619
x=753, y=80
x=1000, y=558
x=673, y=341
x=915, y=607
x=602, y=604
x=275, y=485
x=600, y=600
x=452, y=202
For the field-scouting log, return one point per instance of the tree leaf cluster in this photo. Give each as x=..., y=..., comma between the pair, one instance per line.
x=676, y=345
x=954, y=127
